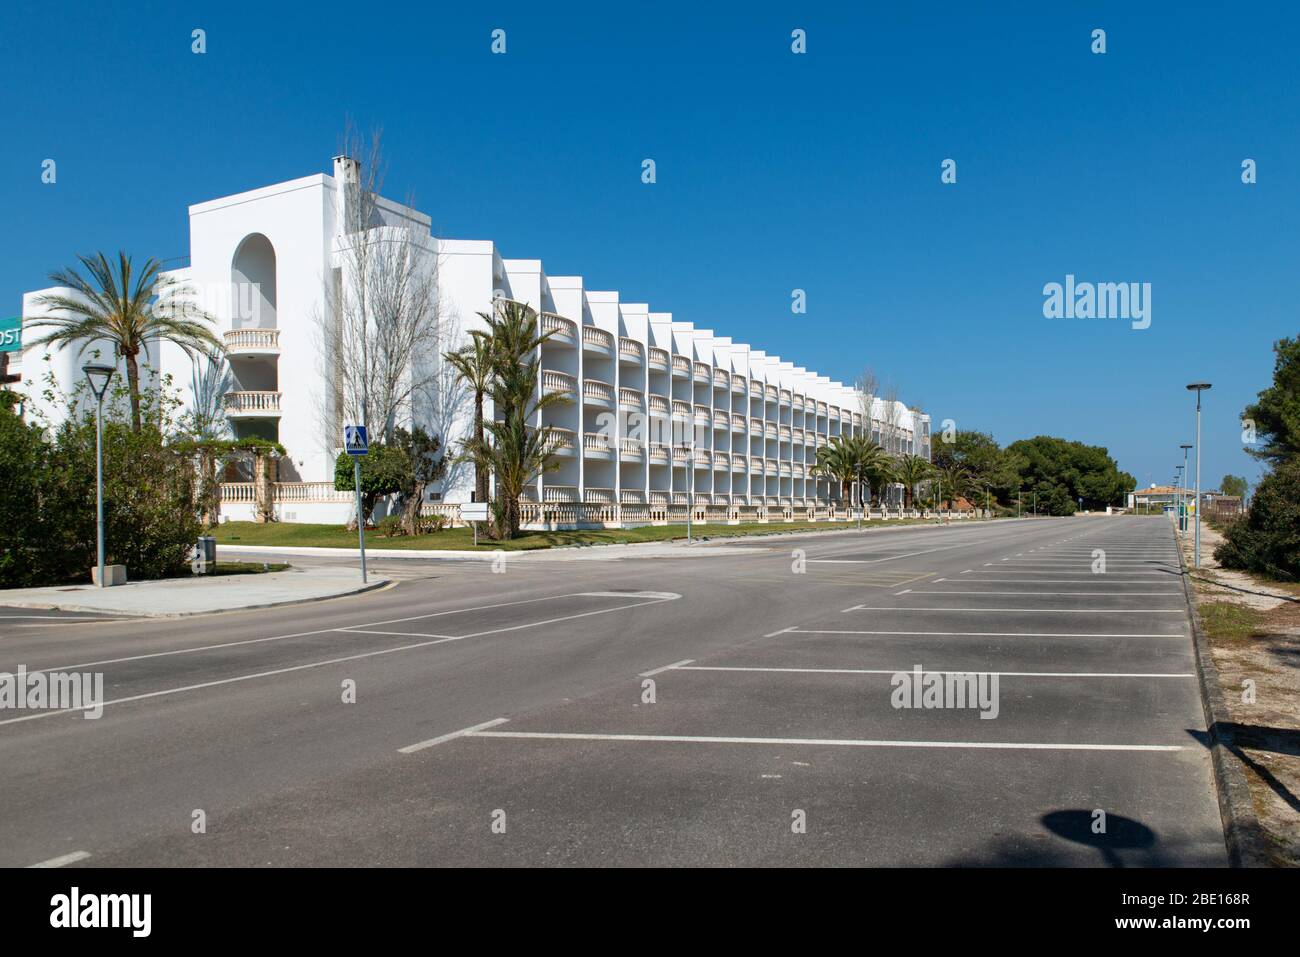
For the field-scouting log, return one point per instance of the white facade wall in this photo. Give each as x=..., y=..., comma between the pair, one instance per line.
x=639, y=429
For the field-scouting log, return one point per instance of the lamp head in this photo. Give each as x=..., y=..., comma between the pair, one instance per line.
x=98, y=375
x=1198, y=386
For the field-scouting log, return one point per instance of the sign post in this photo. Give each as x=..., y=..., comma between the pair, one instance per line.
x=472, y=513
x=356, y=443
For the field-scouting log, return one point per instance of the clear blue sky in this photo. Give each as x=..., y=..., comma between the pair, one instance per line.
x=775, y=172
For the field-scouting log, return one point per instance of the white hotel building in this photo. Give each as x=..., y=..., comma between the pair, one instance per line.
x=662, y=412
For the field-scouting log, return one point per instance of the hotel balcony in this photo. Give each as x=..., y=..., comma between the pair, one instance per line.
x=563, y=332
x=703, y=458
x=680, y=454
x=797, y=403
x=770, y=393
x=560, y=493
x=595, y=445
x=659, y=453
x=756, y=426
x=737, y=423
x=252, y=405
x=739, y=463
x=252, y=342
x=721, y=420
x=658, y=359
x=658, y=405
x=629, y=496
x=600, y=496
x=559, y=383
x=721, y=379
x=681, y=410
x=769, y=429
x=784, y=395
x=660, y=498
x=630, y=352
x=784, y=433
x=597, y=394
x=738, y=384
x=721, y=461
x=631, y=450
x=703, y=415
x=681, y=367
x=597, y=341
x=629, y=399
x=703, y=373
x=561, y=442
x=755, y=389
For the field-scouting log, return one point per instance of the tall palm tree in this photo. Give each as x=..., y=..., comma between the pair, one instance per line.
x=515, y=451
x=911, y=470
x=128, y=308
x=834, y=462
x=474, y=364
x=871, y=463
x=956, y=482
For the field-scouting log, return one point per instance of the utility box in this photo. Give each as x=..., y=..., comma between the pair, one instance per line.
x=113, y=575
x=205, y=555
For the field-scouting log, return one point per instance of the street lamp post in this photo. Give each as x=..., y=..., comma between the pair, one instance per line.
x=98, y=377
x=1178, y=500
x=1182, y=518
x=1198, y=388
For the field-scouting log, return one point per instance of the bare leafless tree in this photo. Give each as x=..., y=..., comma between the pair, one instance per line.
x=381, y=330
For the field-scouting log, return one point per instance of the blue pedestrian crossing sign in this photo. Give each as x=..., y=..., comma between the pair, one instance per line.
x=355, y=440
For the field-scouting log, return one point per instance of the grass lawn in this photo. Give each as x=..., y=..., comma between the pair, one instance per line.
x=247, y=568
x=336, y=536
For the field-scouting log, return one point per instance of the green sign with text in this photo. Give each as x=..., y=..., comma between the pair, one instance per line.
x=11, y=334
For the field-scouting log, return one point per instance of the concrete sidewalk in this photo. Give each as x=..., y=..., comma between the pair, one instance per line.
x=175, y=597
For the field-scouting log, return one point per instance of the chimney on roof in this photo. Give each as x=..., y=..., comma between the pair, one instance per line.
x=347, y=174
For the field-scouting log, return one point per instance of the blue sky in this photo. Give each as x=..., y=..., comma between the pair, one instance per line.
x=774, y=172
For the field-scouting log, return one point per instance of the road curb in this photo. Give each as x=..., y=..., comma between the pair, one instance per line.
x=1242, y=833
x=111, y=613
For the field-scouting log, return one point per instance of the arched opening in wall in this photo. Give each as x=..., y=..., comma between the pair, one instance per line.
x=252, y=284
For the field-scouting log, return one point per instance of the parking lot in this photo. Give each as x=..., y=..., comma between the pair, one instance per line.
x=717, y=709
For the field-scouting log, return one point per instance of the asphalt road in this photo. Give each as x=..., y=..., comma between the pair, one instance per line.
x=773, y=736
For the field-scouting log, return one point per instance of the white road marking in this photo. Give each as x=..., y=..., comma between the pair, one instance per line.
x=657, y=671
x=942, y=671
x=822, y=742
x=903, y=592
x=996, y=634
x=463, y=732
x=781, y=632
x=55, y=618
x=332, y=661
x=62, y=859
x=1031, y=611
x=1089, y=594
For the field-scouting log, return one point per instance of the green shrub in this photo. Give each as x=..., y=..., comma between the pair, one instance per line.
x=1267, y=539
x=47, y=526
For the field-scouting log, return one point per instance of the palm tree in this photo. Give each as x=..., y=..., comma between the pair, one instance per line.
x=871, y=464
x=956, y=482
x=911, y=470
x=515, y=451
x=473, y=363
x=129, y=309
x=834, y=462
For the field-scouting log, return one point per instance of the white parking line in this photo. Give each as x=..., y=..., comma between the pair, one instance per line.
x=1031, y=611
x=995, y=634
x=1089, y=594
x=62, y=859
x=674, y=665
x=463, y=732
x=938, y=671
x=822, y=742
